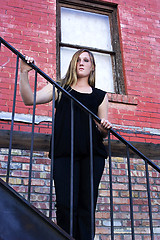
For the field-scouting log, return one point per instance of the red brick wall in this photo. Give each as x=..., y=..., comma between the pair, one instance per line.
x=30, y=26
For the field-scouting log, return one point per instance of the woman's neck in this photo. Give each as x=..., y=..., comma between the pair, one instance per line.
x=82, y=86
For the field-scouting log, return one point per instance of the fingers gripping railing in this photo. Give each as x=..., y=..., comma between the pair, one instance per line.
x=91, y=116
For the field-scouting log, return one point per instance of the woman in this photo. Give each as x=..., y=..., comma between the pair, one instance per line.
x=79, y=82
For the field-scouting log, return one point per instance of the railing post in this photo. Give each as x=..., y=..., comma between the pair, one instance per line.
x=149, y=202
x=32, y=138
x=130, y=193
x=72, y=167
x=91, y=177
x=111, y=189
x=52, y=156
x=12, y=122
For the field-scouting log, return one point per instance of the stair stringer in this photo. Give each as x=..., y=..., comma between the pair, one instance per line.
x=19, y=220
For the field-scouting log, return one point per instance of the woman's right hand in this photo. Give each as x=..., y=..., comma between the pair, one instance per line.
x=24, y=67
x=44, y=95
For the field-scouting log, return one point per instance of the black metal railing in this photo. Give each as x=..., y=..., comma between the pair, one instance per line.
x=91, y=116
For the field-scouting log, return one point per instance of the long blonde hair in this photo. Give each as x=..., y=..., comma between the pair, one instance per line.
x=71, y=75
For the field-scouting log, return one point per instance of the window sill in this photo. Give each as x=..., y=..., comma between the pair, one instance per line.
x=125, y=99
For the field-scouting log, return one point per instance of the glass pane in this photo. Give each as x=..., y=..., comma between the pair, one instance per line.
x=104, y=75
x=85, y=29
x=65, y=58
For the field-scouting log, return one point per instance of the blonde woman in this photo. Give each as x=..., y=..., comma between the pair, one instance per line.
x=80, y=83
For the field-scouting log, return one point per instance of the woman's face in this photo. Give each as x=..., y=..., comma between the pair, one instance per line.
x=84, y=65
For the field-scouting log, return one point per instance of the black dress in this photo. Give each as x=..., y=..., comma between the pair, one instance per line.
x=81, y=124
x=81, y=176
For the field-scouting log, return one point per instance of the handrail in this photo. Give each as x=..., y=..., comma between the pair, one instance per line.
x=38, y=70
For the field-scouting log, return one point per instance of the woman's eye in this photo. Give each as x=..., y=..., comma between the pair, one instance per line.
x=85, y=60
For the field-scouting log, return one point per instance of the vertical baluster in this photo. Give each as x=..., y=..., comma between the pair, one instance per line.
x=32, y=137
x=149, y=202
x=52, y=156
x=72, y=166
x=12, y=121
x=111, y=189
x=91, y=177
x=130, y=193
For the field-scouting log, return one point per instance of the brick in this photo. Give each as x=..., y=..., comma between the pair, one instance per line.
x=20, y=159
x=102, y=230
x=125, y=208
x=104, y=215
x=20, y=188
x=39, y=198
x=41, y=205
x=120, y=186
x=35, y=182
x=20, y=174
x=15, y=181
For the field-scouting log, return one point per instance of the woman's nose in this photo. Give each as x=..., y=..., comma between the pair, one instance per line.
x=81, y=62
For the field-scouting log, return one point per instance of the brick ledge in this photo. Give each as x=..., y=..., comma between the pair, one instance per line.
x=125, y=99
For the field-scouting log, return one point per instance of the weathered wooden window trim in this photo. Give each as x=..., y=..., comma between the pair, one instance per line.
x=104, y=8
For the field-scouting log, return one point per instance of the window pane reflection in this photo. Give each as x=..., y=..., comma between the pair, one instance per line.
x=85, y=28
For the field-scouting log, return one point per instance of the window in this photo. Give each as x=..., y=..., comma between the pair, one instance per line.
x=90, y=25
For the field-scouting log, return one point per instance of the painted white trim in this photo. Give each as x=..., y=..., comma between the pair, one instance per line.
x=138, y=129
x=25, y=118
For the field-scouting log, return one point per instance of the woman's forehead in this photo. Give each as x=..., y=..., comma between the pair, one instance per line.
x=84, y=54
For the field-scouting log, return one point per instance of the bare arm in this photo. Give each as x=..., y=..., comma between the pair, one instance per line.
x=103, y=115
x=42, y=96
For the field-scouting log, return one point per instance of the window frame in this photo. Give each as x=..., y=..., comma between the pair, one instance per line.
x=109, y=9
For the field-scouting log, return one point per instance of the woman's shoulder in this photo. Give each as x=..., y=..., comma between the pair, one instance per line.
x=99, y=94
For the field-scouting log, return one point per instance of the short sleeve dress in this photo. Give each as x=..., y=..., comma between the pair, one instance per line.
x=62, y=131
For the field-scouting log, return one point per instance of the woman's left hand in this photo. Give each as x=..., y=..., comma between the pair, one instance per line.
x=105, y=124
